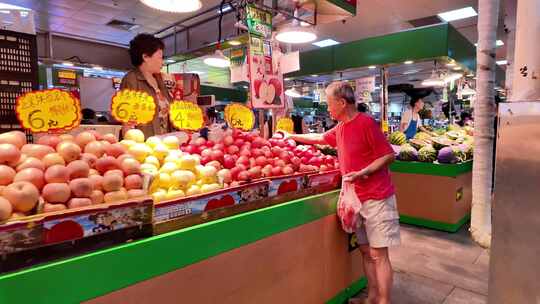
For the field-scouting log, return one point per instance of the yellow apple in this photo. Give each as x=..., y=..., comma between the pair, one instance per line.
x=183, y=178
x=153, y=141
x=175, y=193
x=127, y=143
x=168, y=167
x=160, y=151
x=172, y=142
x=164, y=180
x=193, y=190
x=152, y=160
x=210, y=187
x=135, y=134
x=159, y=195
x=188, y=162
x=140, y=151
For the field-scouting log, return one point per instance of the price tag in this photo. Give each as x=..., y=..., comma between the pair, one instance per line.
x=48, y=111
x=133, y=107
x=285, y=124
x=185, y=115
x=238, y=116
x=385, y=126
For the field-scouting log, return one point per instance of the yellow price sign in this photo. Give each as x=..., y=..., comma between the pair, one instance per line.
x=185, y=115
x=285, y=124
x=48, y=111
x=238, y=116
x=133, y=107
x=385, y=126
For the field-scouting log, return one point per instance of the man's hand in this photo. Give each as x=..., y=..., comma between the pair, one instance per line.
x=355, y=176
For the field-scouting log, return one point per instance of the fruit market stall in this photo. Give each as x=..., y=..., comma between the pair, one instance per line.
x=433, y=177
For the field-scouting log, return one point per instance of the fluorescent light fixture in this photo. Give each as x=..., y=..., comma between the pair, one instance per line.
x=408, y=62
x=67, y=63
x=456, y=68
x=169, y=61
x=287, y=79
x=5, y=6
x=197, y=72
x=371, y=67
x=225, y=9
x=235, y=42
x=410, y=72
x=458, y=14
x=217, y=60
x=325, y=43
x=314, y=75
x=502, y=62
x=293, y=92
x=97, y=68
x=296, y=34
x=174, y=6
x=497, y=43
x=434, y=81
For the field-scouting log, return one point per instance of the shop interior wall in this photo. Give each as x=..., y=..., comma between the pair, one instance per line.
x=108, y=56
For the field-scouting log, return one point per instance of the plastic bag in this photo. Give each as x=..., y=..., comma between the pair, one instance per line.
x=348, y=208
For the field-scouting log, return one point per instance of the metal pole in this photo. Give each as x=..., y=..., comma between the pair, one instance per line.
x=384, y=100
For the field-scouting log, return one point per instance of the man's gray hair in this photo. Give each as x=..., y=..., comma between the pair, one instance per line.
x=342, y=89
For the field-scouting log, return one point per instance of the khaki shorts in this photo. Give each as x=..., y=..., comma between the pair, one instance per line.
x=379, y=223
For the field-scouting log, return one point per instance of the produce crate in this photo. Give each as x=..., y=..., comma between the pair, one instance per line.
x=44, y=237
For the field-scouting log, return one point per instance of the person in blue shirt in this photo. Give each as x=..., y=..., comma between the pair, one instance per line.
x=410, y=119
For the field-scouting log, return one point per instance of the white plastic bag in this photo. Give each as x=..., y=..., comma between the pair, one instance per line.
x=348, y=208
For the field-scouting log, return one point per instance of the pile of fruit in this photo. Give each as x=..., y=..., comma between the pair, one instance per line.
x=63, y=172
x=450, y=146
x=201, y=165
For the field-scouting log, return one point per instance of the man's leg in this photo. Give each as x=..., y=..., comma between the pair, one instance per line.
x=384, y=273
x=369, y=269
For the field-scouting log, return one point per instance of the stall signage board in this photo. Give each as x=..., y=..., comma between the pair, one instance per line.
x=364, y=87
x=185, y=115
x=133, y=107
x=259, y=22
x=48, y=111
x=65, y=77
x=285, y=124
x=238, y=116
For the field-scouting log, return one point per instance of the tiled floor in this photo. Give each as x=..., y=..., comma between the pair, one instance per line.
x=437, y=267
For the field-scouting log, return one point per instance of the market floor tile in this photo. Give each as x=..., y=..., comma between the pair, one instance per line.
x=437, y=267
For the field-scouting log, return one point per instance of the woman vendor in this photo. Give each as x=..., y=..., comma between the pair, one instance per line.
x=410, y=119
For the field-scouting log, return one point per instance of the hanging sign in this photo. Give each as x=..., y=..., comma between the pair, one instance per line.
x=133, y=107
x=285, y=124
x=185, y=115
x=238, y=116
x=48, y=111
x=364, y=87
x=259, y=22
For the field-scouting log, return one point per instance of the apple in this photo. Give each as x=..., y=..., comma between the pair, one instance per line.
x=254, y=172
x=23, y=196
x=258, y=142
x=111, y=138
x=37, y=151
x=57, y=174
x=228, y=140
x=58, y=193
x=125, y=156
x=97, y=197
x=78, y=202
x=97, y=181
x=243, y=176
x=266, y=171
x=7, y=174
x=31, y=162
x=276, y=171
x=66, y=137
x=9, y=154
x=261, y=161
x=5, y=209
x=84, y=138
x=172, y=142
x=315, y=161
x=280, y=163
x=115, y=171
x=244, y=160
x=200, y=141
x=135, y=135
x=106, y=163
x=113, y=182
x=285, y=156
x=96, y=148
x=228, y=161
x=210, y=143
x=234, y=172
x=131, y=166
x=115, y=149
x=224, y=176
x=133, y=181
x=53, y=207
x=296, y=161
x=256, y=152
x=81, y=187
x=53, y=159
x=217, y=155
x=245, y=152
x=287, y=170
x=78, y=168
x=136, y=193
x=219, y=146
x=69, y=151
x=49, y=140
x=140, y=151
x=32, y=175
x=153, y=141
x=16, y=138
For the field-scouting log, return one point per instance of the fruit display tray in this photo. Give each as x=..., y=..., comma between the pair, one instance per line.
x=287, y=183
x=326, y=179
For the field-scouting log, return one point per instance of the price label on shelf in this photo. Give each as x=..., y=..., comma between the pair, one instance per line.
x=238, y=116
x=133, y=107
x=185, y=115
x=48, y=111
x=285, y=124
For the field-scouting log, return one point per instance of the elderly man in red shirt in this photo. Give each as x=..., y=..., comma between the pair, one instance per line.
x=364, y=155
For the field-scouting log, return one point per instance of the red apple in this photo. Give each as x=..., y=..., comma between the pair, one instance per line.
x=245, y=152
x=90, y=159
x=228, y=161
x=16, y=138
x=69, y=150
x=32, y=175
x=276, y=171
x=288, y=170
x=217, y=155
x=115, y=149
x=23, y=196
x=206, y=153
x=244, y=160
x=84, y=138
x=106, y=163
x=243, y=176
x=57, y=174
x=78, y=169
x=6, y=175
x=58, y=193
x=233, y=149
x=228, y=140
x=219, y=146
x=210, y=143
x=133, y=181
x=49, y=140
x=261, y=161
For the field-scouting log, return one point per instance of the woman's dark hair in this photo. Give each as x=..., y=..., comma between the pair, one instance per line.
x=414, y=100
x=143, y=44
x=362, y=107
x=88, y=113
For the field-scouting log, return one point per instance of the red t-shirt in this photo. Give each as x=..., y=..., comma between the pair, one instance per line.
x=359, y=142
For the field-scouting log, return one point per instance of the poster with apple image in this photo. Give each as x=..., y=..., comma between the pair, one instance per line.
x=239, y=116
x=266, y=84
x=50, y=111
x=132, y=107
x=186, y=116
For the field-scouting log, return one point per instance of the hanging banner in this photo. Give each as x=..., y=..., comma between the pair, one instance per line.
x=185, y=115
x=285, y=124
x=259, y=22
x=364, y=87
x=48, y=111
x=133, y=107
x=238, y=116
x=183, y=86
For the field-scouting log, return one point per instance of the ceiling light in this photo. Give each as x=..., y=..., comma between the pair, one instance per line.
x=67, y=63
x=174, y=6
x=325, y=42
x=433, y=81
x=296, y=34
x=235, y=42
x=293, y=92
x=497, y=43
x=502, y=62
x=456, y=68
x=226, y=8
x=5, y=6
x=408, y=62
x=169, y=61
x=217, y=60
x=314, y=75
x=452, y=77
x=371, y=67
x=98, y=68
x=458, y=14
